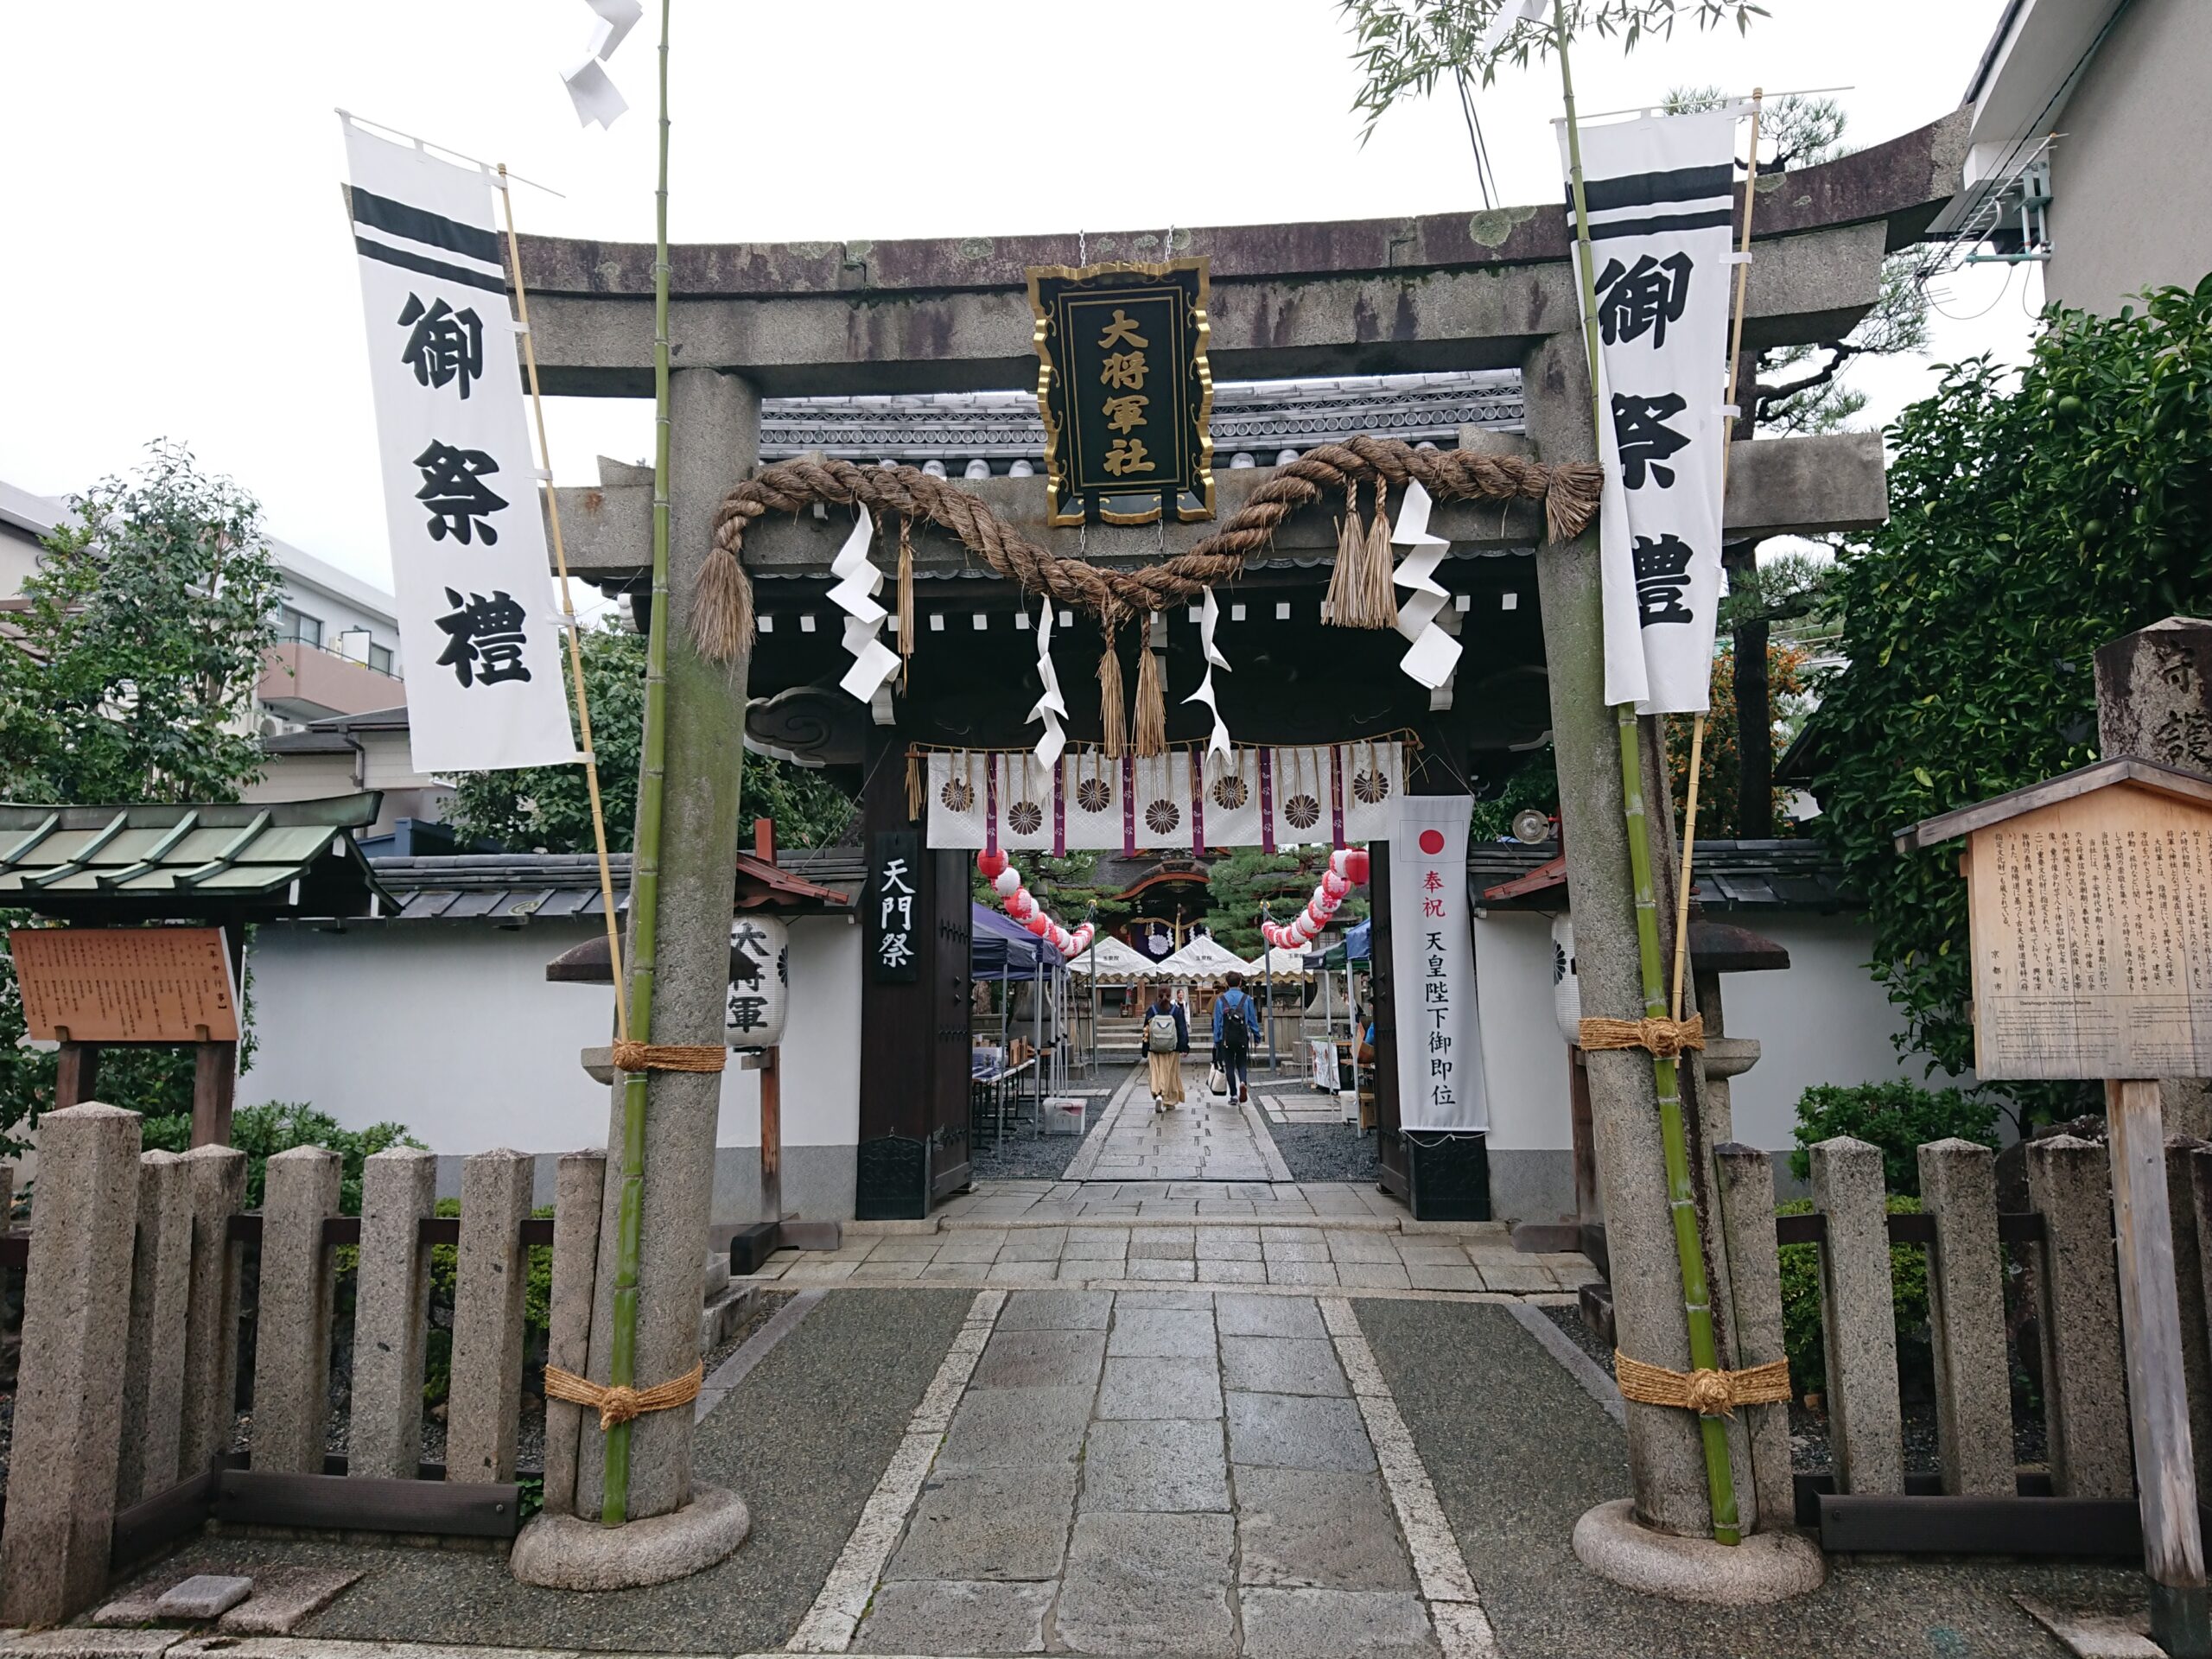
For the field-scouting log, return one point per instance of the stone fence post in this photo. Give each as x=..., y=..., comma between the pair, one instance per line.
x=211, y=1334
x=161, y=1291
x=1857, y=1318
x=391, y=1313
x=291, y=1343
x=2084, y=1381
x=1745, y=1184
x=1966, y=1316
x=485, y=1401
x=68, y=1422
x=578, y=1188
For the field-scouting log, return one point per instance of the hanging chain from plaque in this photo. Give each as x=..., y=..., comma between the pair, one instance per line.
x=1124, y=388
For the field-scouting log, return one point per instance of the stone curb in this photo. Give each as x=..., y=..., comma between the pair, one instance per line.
x=1201, y=1287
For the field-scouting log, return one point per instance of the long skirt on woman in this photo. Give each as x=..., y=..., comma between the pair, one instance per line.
x=1166, y=1078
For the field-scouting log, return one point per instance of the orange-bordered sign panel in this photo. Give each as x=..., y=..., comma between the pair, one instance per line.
x=127, y=984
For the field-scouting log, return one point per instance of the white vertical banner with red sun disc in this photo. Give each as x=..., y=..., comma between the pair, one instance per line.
x=1433, y=968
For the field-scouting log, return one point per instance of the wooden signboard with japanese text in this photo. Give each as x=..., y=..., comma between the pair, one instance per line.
x=127, y=984
x=2091, y=923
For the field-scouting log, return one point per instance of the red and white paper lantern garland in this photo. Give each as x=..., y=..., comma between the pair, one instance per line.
x=1348, y=868
x=1021, y=905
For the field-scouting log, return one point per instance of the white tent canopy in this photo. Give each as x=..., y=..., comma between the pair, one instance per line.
x=1201, y=961
x=1115, y=960
x=1282, y=960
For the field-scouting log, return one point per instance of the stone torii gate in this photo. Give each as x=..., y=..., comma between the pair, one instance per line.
x=1491, y=290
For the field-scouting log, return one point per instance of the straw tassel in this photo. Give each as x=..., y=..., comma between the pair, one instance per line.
x=1151, y=734
x=1379, y=594
x=722, y=608
x=1342, y=601
x=914, y=784
x=906, y=601
x=1112, y=707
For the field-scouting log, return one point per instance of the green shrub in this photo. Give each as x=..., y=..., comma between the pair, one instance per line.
x=278, y=1127
x=1898, y=1117
x=445, y=1283
x=1801, y=1297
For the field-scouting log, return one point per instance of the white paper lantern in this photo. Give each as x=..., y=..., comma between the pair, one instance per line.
x=1338, y=858
x=759, y=985
x=1567, y=990
x=1336, y=885
x=1007, y=881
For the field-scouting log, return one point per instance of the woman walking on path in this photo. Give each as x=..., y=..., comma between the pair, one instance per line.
x=1236, y=1028
x=1166, y=1040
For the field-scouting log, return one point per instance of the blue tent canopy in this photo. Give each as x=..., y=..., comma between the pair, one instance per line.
x=1357, y=947
x=998, y=948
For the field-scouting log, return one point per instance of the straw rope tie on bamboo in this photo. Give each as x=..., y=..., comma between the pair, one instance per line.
x=619, y=1404
x=1709, y=1393
x=670, y=1056
x=1667, y=1038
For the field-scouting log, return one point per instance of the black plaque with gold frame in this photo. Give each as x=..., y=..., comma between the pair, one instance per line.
x=1125, y=391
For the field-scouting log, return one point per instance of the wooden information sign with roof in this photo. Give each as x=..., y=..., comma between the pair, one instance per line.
x=127, y=984
x=2089, y=911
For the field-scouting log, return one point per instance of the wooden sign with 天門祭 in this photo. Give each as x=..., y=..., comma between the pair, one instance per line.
x=127, y=984
x=1124, y=389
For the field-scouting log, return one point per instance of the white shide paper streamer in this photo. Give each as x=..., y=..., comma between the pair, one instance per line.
x=858, y=583
x=1435, y=654
x=1051, y=705
x=1209, y=618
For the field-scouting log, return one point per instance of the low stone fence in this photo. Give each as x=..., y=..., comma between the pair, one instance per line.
x=126, y=1403
x=2068, y=1237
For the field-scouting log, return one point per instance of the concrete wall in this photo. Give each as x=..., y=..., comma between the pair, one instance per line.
x=452, y=1029
x=1824, y=1021
x=2128, y=209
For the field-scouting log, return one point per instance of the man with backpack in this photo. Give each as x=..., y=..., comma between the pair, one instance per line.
x=1166, y=1040
x=1236, y=1028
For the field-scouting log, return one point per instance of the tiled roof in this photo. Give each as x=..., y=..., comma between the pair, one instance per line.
x=1724, y=876
x=510, y=888
x=292, y=857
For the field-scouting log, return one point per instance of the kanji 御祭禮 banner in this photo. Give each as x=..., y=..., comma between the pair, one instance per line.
x=478, y=625
x=1660, y=194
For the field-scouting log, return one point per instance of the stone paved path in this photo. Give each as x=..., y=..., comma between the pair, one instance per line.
x=1207, y=1138
x=1154, y=1472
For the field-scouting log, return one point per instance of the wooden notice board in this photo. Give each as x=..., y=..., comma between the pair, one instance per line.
x=127, y=984
x=2091, y=923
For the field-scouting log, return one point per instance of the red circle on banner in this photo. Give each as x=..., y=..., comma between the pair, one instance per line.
x=1432, y=841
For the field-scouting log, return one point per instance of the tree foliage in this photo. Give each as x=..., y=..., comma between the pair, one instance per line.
x=1068, y=888
x=1403, y=48
x=1718, y=773
x=130, y=675
x=1534, y=782
x=2030, y=523
x=548, y=809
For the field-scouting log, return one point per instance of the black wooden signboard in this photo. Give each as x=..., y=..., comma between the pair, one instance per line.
x=1125, y=391
x=895, y=913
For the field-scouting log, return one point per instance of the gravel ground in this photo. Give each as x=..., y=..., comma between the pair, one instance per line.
x=1518, y=1452
x=1026, y=1155
x=1809, y=1431
x=806, y=1439
x=1327, y=1152
x=765, y=1306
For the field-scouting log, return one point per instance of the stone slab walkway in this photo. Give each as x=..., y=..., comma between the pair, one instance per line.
x=1143, y=1473
x=1207, y=1138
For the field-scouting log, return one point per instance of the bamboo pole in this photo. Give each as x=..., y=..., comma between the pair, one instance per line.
x=644, y=872
x=569, y=614
x=1689, y=1249
x=1728, y=443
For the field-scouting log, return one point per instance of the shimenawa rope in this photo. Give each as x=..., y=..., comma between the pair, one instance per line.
x=1709, y=1393
x=618, y=1404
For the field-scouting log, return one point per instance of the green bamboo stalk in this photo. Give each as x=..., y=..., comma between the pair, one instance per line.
x=1682, y=1204
x=645, y=870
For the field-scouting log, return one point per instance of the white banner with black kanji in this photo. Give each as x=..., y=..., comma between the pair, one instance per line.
x=478, y=624
x=1437, y=1037
x=1660, y=192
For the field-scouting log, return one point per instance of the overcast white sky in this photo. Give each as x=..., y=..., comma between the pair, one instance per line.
x=177, y=264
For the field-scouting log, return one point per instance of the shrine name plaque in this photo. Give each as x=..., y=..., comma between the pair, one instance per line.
x=2092, y=938
x=127, y=984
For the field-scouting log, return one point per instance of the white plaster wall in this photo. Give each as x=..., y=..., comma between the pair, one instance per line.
x=452, y=1029
x=1822, y=1020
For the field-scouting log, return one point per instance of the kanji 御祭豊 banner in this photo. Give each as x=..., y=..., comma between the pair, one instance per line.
x=1438, y=1039
x=477, y=622
x=1660, y=194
